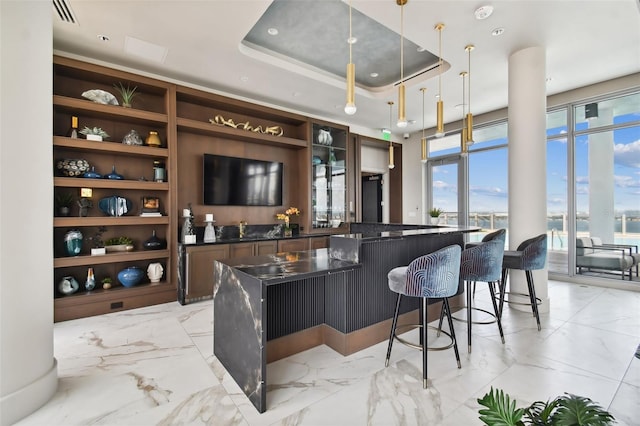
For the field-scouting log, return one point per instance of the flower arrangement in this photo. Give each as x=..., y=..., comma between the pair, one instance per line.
x=286, y=216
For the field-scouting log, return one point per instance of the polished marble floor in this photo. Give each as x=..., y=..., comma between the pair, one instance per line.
x=155, y=366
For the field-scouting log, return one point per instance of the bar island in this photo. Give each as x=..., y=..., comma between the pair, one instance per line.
x=269, y=307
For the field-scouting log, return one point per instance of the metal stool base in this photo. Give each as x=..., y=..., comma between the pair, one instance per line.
x=419, y=347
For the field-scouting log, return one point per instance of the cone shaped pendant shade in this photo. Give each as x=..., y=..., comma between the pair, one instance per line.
x=391, y=162
x=423, y=140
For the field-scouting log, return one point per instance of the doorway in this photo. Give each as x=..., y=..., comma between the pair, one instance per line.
x=372, y=198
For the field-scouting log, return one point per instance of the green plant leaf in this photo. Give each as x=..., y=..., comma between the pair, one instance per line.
x=500, y=411
x=541, y=413
x=580, y=411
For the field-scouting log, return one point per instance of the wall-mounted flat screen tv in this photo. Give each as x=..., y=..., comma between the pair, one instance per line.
x=232, y=181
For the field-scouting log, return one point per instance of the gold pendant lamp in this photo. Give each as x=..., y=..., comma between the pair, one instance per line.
x=469, y=137
x=463, y=133
x=423, y=140
x=440, y=103
x=350, y=106
x=391, y=162
x=402, y=115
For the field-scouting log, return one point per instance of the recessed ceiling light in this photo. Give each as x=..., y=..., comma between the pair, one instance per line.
x=272, y=31
x=244, y=79
x=497, y=32
x=483, y=12
x=296, y=94
x=374, y=75
x=103, y=37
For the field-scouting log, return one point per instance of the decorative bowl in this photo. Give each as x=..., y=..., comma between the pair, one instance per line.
x=115, y=205
x=130, y=276
x=71, y=167
x=119, y=247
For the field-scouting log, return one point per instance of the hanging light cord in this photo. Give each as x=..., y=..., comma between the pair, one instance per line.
x=402, y=43
x=350, y=35
x=440, y=62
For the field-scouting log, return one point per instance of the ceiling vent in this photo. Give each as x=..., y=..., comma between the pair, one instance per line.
x=64, y=11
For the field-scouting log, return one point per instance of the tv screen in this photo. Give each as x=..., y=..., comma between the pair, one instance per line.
x=231, y=181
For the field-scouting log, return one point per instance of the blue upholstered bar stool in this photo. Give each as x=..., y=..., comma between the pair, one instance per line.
x=530, y=255
x=432, y=276
x=483, y=262
x=500, y=235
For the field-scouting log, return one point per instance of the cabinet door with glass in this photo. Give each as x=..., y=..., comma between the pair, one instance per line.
x=328, y=180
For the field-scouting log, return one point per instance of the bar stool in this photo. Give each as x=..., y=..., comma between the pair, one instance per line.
x=482, y=262
x=500, y=235
x=530, y=255
x=432, y=276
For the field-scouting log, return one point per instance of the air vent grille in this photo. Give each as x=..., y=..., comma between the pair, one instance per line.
x=64, y=11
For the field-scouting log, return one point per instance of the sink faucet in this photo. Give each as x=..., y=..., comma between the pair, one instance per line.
x=241, y=228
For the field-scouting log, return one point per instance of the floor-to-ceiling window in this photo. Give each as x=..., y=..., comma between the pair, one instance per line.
x=593, y=179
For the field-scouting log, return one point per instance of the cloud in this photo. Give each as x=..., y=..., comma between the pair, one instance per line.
x=626, y=182
x=489, y=191
x=627, y=154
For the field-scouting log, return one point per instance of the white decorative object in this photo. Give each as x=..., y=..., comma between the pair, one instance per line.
x=189, y=239
x=100, y=97
x=94, y=137
x=98, y=251
x=208, y=217
x=154, y=272
x=209, y=230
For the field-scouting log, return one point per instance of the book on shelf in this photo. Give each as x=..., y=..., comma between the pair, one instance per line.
x=150, y=214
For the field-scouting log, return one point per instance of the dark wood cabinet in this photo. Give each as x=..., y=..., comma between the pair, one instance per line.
x=199, y=272
x=296, y=244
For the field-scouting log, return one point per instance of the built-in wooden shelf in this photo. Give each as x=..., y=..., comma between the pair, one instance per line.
x=129, y=256
x=110, y=147
x=93, y=109
x=78, y=182
x=62, y=222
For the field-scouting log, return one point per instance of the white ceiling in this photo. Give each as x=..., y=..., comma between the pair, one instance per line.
x=586, y=41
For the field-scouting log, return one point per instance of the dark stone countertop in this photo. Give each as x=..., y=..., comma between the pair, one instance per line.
x=407, y=232
x=295, y=265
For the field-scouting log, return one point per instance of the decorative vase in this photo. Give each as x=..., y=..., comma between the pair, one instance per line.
x=288, y=232
x=130, y=276
x=92, y=174
x=155, y=243
x=435, y=220
x=94, y=138
x=114, y=175
x=153, y=139
x=68, y=285
x=132, y=138
x=63, y=211
x=73, y=242
x=154, y=272
x=324, y=137
x=90, y=283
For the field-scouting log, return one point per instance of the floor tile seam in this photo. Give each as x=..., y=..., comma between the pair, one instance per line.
x=589, y=373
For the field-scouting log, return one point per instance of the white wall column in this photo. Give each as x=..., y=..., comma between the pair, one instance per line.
x=28, y=370
x=527, y=161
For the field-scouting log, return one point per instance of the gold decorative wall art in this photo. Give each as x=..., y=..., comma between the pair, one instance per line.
x=219, y=120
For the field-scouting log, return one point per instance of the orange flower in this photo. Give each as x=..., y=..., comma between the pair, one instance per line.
x=287, y=215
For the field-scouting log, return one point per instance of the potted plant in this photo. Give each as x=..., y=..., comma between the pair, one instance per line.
x=64, y=200
x=126, y=93
x=106, y=283
x=119, y=244
x=94, y=133
x=97, y=242
x=566, y=409
x=435, y=215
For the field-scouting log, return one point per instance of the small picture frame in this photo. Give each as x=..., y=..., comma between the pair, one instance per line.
x=150, y=205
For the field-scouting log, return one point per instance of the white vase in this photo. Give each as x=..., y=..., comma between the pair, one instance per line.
x=435, y=220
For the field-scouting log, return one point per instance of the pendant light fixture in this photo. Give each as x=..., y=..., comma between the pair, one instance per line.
x=350, y=106
x=463, y=133
x=391, y=162
x=469, y=137
x=402, y=114
x=423, y=140
x=440, y=103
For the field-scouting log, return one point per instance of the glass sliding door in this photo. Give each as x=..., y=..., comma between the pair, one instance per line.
x=607, y=179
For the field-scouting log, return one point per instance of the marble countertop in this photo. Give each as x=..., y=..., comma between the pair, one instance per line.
x=281, y=267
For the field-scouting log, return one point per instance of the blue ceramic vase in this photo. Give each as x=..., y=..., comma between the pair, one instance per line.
x=130, y=276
